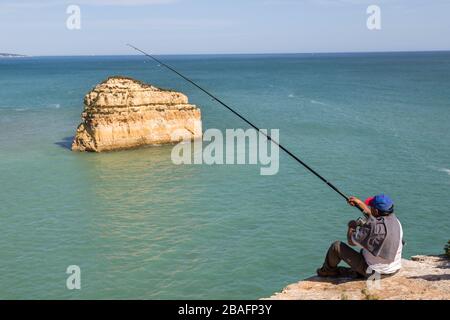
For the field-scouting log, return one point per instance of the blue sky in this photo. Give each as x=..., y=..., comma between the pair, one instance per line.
x=225, y=26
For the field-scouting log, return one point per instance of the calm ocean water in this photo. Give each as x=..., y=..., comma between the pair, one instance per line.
x=140, y=227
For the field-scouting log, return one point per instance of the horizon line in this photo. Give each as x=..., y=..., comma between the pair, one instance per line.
x=238, y=53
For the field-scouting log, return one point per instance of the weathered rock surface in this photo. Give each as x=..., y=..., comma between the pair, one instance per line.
x=421, y=278
x=122, y=113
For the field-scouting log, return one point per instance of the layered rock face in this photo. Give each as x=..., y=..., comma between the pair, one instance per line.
x=122, y=113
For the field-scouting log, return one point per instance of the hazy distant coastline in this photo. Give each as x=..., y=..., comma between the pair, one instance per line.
x=11, y=55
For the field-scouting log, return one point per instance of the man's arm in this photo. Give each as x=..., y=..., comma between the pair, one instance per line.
x=352, y=225
x=351, y=230
x=355, y=202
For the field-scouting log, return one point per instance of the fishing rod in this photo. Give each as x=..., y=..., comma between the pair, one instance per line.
x=247, y=121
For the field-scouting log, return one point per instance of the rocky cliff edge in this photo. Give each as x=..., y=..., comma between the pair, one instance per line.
x=421, y=278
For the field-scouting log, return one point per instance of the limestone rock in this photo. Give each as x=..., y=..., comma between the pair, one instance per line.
x=421, y=278
x=122, y=113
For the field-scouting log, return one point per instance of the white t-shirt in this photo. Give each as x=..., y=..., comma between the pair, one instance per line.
x=381, y=265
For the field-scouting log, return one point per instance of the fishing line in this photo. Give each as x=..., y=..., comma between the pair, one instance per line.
x=246, y=121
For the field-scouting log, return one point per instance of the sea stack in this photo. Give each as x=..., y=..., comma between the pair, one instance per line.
x=122, y=113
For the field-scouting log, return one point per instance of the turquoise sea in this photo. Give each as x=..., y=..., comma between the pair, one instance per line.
x=140, y=227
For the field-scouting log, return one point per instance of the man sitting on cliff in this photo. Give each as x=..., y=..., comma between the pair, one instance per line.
x=380, y=237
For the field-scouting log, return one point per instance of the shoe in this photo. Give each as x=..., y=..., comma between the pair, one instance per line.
x=347, y=272
x=321, y=272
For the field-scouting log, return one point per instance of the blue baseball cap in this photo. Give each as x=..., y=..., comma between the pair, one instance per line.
x=381, y=202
